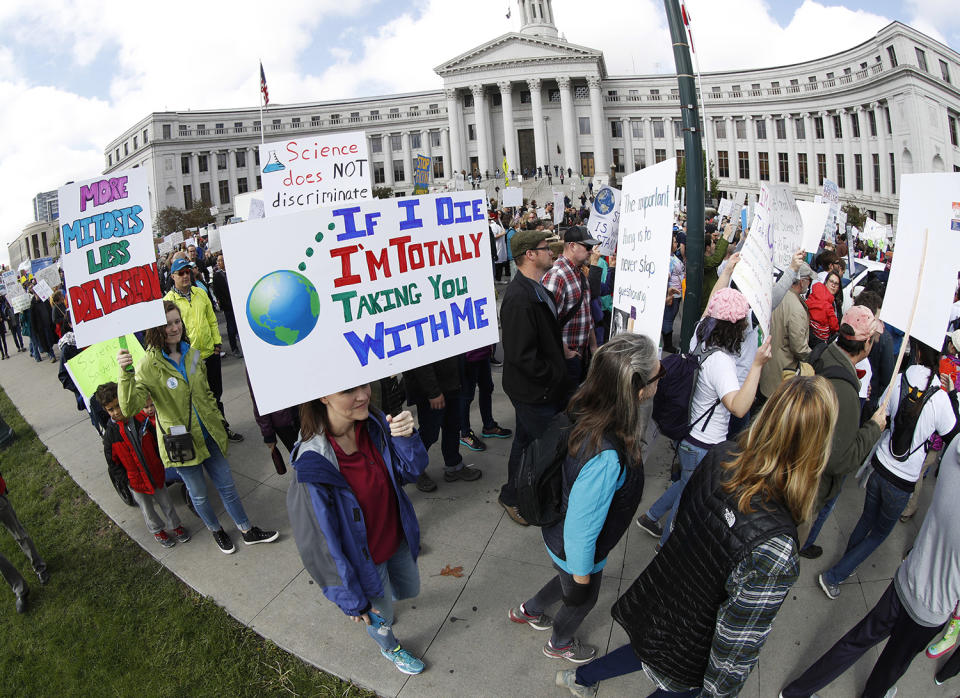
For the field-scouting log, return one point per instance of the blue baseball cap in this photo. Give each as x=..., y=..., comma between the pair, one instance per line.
x=179, y=264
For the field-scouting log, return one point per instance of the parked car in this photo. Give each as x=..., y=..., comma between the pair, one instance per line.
x=857, y=279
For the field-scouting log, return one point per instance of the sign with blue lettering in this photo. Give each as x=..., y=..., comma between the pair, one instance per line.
x=421, y=174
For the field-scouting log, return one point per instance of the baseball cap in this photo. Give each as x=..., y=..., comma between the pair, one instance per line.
x=577, y=233
x=863, y=323
x=524, y=240
x=179, y=264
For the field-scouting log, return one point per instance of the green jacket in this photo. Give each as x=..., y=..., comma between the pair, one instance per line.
x=157, y=378
x=710, y=275
x=198, y=317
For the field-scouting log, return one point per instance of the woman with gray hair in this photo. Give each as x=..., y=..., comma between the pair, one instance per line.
x=601, y=489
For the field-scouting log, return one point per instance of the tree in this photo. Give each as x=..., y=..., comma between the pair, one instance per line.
x=199, y=215
x=856, y=216
x=714, y=184
x=382, y=193
x=169, y=220
x=712, y=193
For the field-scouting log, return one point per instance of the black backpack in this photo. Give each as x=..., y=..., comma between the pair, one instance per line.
x=674, y=397
x=539, y=481
x=912, y=402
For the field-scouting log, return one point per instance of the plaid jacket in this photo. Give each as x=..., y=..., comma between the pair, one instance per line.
x=567, y=283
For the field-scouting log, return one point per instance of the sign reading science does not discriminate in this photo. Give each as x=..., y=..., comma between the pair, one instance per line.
x=351, y=293
x=108, y=258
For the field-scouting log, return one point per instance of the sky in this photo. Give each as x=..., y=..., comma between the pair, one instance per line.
x=74, y=75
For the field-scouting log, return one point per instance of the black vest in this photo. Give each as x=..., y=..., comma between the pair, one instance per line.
x=670, y=611
x=622, y=509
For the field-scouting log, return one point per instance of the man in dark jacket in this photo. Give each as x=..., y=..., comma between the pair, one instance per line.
x=222, y=291
x=41, y=326
x=435, y=390
x=534, y=357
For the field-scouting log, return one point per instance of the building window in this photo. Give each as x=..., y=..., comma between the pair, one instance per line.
x=944, y=73
x=659, y=155
x=221, y=161
x=224, y=186
x=241, y=185
x=763, y=160
x=837, y=127
x=888, y=218
x=618, y=162
x=259, y=183
x=743, y=164
x=166, y=132
x=855, y=124
x=872, y=120
x=801, y=128
x=636, y=129
x=256, y=126
x=858, y=171
x=639, y=158
x=240, y=158
x=378, y=177
x=238, y=127
x=135, y=143
x=256, y=157
x=723, y=164
x=109, y=159
x=126, y=149
x=679, y=154
x=821, y=168
x=841, y=174
x=395, y=144
x=467, y=102
x=720, y=128
x=893, y=174
x=554, y=96
x=921, y=59
x=471, y=133
x=872, y=214
x=818, y=127
x=376, y=144
x=205, y=193
x=761, y=128
x=740, y=129
x=184, y=164
x=677, y=128
x=434, y=139
x=892, y=55
x=187, y=196
x=781, y=126
x=415, y=142
x=657, y=128
x=886, y=113
x=616, y=131
x=581, y=92
x=218, y=129
x=802, y=176
x=952, y=120
x=525, y=96
x=201, y=129
x=183, y=130
x=275, y=124
x=584, y=123
x=398, y=171
x=438, y=166
x=654, y=95
x=315, y=121
x=783, y=167
x=295, y=122
x=876, y=173
x=202, y=164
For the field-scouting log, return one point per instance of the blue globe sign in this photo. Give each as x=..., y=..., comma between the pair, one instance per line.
x=283, y=308
x=604, y=201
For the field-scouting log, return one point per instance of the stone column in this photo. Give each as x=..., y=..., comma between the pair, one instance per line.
x=252, y=168
x=600, y=157
x=483, y=139
x=445, y=145
x=232, y=173
x=752, y=149
x=456, y=141
x=671, y=141
x=570, y=153
x=771, y=150
x=407, y=158
x=426, y=149
x=828, y=142
x=387, y=162
x=539, y=136
x=850, y=180
x=733, y=157
x=791, y=150
x=881, y=151
x=195, y=175
x=214, y=178
x=648, y=139
x=509, y=130
x=628, y=166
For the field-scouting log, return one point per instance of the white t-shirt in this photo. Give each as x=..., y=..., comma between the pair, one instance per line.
x=937, y=416
x=864, y=366
x=748, y=349
x=717, y=378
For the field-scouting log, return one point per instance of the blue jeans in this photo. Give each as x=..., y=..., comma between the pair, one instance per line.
x=821, y=519
x=476, y=374
x=881, y=509
x=690, y=457
x=218, y=468
x=669, y=315
x=401, y=580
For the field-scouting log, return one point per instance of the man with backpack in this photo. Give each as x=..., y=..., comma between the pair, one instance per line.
x=534, y=356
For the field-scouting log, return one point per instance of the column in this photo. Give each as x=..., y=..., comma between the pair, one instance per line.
x=733, y=158
x=195, y=175
x=483, y=138
x=600, y=157
x=251, y=169
x=426, y=149
x=648, y=139
x=881, y=150
x=570, y=154
x=509, y=130
x=850, y=181
x=628, y=166
x=232, y=173
x=752, y=149
x=539, y=136
x=387, y=161
x=671, y=141
x=811, y=134
x=214, y=178
x=407, y=158
x=828, y=142
x=456, y=142
x=792, y=150
x=772, y=162
x=445, y=144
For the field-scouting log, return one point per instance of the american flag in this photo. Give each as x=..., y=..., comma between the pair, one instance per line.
x=686, y=23
x=263, y=87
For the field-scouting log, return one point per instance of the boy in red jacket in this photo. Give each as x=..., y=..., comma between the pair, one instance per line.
x=130, y=444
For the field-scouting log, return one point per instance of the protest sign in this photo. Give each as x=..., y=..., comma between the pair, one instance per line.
x=305, y=173
x=873, y=232
x=783, y=215
x=350, y=294
x=557, y=207
x=175, y=238
x=97, y=364
x=723, y=209
x=49, y=274
x=751, y=207
x=43, y=290
x=512, y=197
x=643, y=252
x=604, y=220
x=189, y=242
x=842, y=221
x=743, y=219
x=421, y=174
x=108, y=256
x=541, y=212
x=925, y=205
x=813, y=217
x=753, y=274
x=458, y=181
x=831, y=195
x=213, y=241
x=164, y=247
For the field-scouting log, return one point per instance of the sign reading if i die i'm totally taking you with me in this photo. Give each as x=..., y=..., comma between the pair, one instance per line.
x=108, y=258
x=349, y=294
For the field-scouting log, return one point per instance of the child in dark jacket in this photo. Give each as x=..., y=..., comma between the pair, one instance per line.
x=130, y=444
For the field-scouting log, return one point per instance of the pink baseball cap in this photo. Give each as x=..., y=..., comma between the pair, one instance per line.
x=863, y=322
x=728, y=304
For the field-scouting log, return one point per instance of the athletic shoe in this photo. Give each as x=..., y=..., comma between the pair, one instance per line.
x=467, y=473
x=541, y=622
x=224, y=542
x=471, y=441
x=811, y=552
x=180, y=533
x=831, y=590
x=513, y=512
x=568, y=679
x=43, y=575
x=495, y=361
x=425, y=483
x=947, y=642
x=255, y=535
x=496, y=432
x=404, y=661
x=650, y=526
x=163, y=539
x=234, y=436
x=574, y=652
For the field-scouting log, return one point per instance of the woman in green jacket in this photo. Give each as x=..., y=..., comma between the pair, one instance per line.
x=173, y=374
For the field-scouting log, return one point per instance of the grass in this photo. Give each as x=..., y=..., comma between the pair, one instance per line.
x=113, y=621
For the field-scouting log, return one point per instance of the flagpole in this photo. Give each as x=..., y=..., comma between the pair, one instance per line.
x=702, y=103
x=261, y=103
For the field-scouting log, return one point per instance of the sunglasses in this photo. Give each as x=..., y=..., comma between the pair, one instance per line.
x=657, y=376
x=181, y=272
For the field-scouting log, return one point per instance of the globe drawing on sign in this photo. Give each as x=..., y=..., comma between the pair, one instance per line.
x=604, y=201
x=283, y=308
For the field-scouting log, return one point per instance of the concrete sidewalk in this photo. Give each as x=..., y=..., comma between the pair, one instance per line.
x=458, y=624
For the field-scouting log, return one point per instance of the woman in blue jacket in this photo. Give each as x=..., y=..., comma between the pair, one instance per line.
x=355, y=527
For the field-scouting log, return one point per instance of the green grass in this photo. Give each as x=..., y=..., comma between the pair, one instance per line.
x=113, y=621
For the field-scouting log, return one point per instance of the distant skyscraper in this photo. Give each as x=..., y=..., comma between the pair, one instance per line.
x=45, y=207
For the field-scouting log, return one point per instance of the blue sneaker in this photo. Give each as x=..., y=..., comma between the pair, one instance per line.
x=404, y=661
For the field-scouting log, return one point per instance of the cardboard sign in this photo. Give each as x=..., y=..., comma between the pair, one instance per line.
x=814, y=217
x=175, y=238
x=352, y=293
x=753, y=274
x=213, y=241
x=43, y=290
x=512, y=197
x=165, y=247
x=604, y=221
x=421, y=174
x=557, y=207
x=723, y=209
x=108, y=257
x=313, y=171
x=874, y=232
x=97, y=364
x=783, y=215
x=189, y=242
x=831, y=195
x=50, y=274
x=643, y=252
x=925, y=204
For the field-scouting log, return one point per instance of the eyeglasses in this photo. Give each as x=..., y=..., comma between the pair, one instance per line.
x=181, y=272
x=655, y=377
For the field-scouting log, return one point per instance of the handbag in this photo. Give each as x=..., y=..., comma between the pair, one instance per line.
x=180, y=446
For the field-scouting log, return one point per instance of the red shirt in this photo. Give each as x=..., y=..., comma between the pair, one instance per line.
x=367, y=476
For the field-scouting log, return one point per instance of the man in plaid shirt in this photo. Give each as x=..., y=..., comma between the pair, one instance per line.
x=571, y=292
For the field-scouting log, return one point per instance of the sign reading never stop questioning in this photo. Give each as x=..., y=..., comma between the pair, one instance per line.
x=352, y=293
x=108, y=258
x=315, y=171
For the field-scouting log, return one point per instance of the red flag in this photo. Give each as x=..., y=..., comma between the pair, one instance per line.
x=263, y=87
x=686, y=22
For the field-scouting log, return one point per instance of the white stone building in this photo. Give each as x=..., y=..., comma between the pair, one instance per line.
x=861, y=117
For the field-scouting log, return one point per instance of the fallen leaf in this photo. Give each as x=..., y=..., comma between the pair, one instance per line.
x=449, y=571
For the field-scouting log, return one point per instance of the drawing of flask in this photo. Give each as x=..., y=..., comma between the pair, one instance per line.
x=273, y=164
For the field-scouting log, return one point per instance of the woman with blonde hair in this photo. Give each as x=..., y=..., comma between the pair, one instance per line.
x=699, y=614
